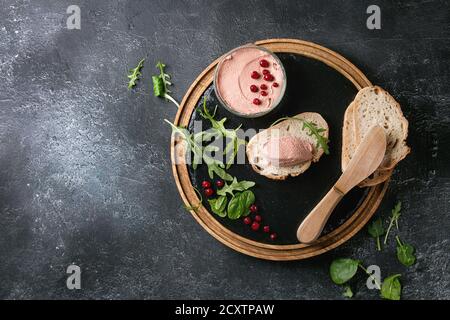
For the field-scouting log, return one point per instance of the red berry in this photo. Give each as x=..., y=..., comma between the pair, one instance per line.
x=209, y=192
x=266, y=229
x=255, y=226
x=206, y=184
x=264, y=93
x=264, y=63
x=263, y=86
x=253, y=208
x=265, y=71
x=258, y=218
x=253, y=88
x=219, y=183
x=268, y=77
x=273, y=236
x=255, y=75
x=256, y=101
x=275, y=85
x=247, y=220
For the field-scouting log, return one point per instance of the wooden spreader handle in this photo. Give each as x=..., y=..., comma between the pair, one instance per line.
x=312, y=226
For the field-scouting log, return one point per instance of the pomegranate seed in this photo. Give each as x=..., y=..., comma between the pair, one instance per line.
x=209, y=192
x=253, y=88
x=206, y=184
x=255, y=75
x=275, y=85
x=255, y=226
x=247, y=220
x=265, y=71
x=258, y=218
x=256, y=101
x=263, y=86
x=253, y=208
x=264, y=93
x=266, y=229
x=219, y=183
x=273, y=236
x=264, y=63
x=268, y=77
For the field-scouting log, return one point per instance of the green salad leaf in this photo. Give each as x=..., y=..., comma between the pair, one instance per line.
x=219, y=205
x=348, y=293
x=405, y=253
x=391, y=288
x=235, y=186
x=161, y=84
x=376, y=230
x=135, y=73
x=343, y=269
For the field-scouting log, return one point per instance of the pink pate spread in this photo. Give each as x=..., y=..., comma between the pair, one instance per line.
x=250, y=80
x=287, y=151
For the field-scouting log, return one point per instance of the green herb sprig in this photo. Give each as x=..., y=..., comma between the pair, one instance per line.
x=234, y=142
x=395, y=215
x=314, y=130
x=161, y=84
x=135, y=73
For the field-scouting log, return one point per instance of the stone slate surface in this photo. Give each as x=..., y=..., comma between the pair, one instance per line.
x=85, y=173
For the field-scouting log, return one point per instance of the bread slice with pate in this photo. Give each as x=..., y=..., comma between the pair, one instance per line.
x=287, y=128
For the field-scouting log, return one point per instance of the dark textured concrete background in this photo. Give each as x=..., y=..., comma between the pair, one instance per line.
x=85, y=172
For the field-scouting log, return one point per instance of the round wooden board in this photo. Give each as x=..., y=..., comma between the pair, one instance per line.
x=247, y=246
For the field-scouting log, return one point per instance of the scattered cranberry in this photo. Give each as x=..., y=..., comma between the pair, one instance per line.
x=265, y=71
x=206, y=184
x=273, y=236
x=256, y=101
x=209, y=192
x=253, y=88
x=264, y=63
x=255, y=226
x=255, y=75
x=264, y=93
x=266, y=229
x=258, y=218
x=247, y=220
x=219, y=183
x=268, y=77
x=253, y=208
x=263, y=86
x=275, y=85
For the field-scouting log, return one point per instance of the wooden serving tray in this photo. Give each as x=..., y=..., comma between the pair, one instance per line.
x=317, y=81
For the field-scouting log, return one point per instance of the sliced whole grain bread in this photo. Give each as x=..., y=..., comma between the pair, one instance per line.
x=286, y=127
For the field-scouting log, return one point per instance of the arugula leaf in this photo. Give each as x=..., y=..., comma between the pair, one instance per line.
x=405, y=253
x=235, y=186
x=217, y=167
x=315, y=131
x=376, y=230
x=234, y=142
x=135, y=73
x=248, y=198
x=395, y=215
x=391, y=288
x=235, y=207
x=161, y=84
x=343, y=269
x=219, y=205
x=348, y=293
